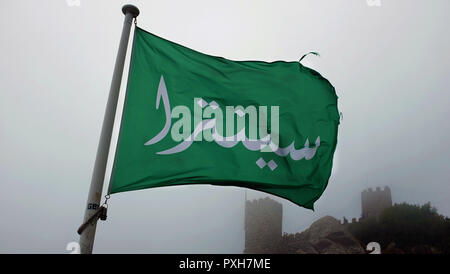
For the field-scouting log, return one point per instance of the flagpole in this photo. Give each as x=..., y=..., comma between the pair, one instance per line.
x=98, y=176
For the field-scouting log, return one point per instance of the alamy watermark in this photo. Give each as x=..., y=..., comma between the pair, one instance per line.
x=73, y=3
x=235, y=124
x=374, y=3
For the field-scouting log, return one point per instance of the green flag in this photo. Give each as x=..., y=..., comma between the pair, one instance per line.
x=192, y=118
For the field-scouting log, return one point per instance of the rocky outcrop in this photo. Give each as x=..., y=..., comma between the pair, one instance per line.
x=325, y=236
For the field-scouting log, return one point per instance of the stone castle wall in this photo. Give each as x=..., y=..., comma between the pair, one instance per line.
x=373, y=202
x=263, y=225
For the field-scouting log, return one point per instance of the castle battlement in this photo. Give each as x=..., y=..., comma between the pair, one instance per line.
x=263, y=220
x=377, y=189
x=263, y=225
x=374, y=202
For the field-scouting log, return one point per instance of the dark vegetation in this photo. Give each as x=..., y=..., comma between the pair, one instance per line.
x=405, y=228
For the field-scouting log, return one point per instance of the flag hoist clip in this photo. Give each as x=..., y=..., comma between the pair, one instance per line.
x=101, y=214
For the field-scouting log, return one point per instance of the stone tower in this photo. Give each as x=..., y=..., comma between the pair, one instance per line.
x=374, y=202
x=263, y=225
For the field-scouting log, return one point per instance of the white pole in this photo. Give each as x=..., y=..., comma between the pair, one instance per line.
x=98, y=176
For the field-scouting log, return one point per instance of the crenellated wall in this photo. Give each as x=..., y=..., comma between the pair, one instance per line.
x=373, y=202
x=263, y=222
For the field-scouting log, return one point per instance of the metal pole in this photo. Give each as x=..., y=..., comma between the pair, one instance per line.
x=98, y=176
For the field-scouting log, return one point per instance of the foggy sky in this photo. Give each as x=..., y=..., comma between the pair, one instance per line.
x=390, y=66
